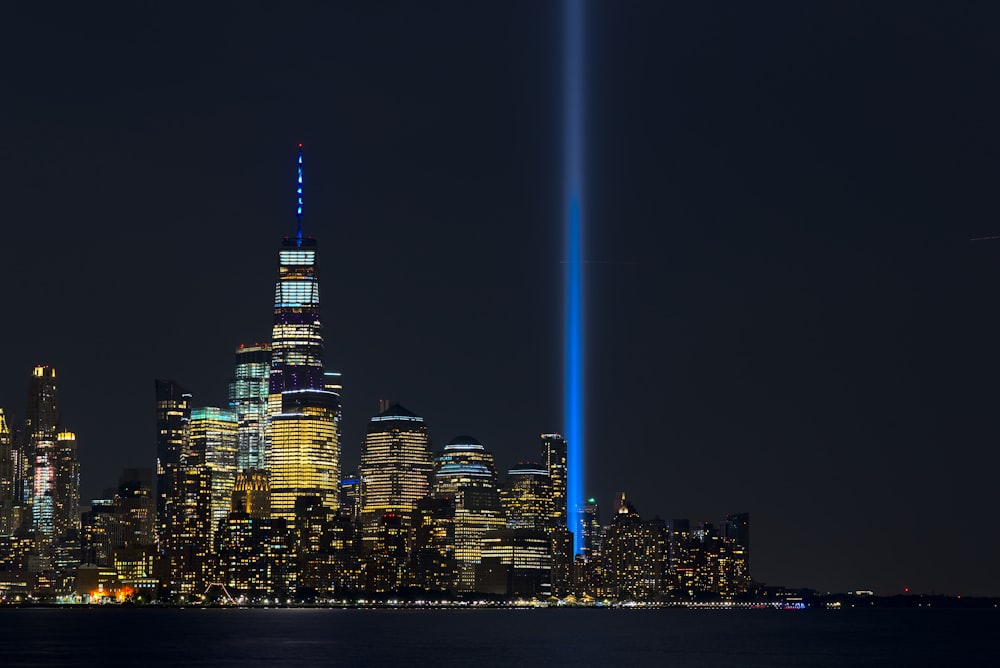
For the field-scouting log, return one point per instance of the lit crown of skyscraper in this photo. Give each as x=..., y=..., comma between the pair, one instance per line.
x=303, y=433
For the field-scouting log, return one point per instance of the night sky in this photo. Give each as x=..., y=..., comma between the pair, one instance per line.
x=785, y=313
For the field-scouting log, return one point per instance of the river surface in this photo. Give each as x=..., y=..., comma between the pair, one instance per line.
x=114, y=636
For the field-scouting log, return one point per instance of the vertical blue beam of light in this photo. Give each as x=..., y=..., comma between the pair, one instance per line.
x=573, y=410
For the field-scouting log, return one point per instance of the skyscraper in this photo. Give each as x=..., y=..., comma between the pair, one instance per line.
x=396, y=464
x=554, y=458
x=248, y=397
x=41, y=419
x=66, y=504
x=7, y=482
x=464, y=471
x=527, y=498
x=173, y=412
x=40, y=455
x=213, y=435
x=303, y=430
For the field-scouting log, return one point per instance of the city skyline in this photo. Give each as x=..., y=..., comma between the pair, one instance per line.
x=784, y=305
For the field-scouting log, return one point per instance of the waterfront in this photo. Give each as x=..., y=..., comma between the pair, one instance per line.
x=550, y=637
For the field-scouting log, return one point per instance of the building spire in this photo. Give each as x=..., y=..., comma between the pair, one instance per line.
x=298, y=212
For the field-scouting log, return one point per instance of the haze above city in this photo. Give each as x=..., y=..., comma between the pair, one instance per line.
x=785, y=313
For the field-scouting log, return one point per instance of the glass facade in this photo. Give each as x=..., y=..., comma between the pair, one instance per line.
x=302, y=433
x=554, y=458
x=527, y=498
x=66, y=504
x=464, y=471
x=213, y=435
x=248, y=397
x=8, y=464
x=396, y=464
x=173, y=411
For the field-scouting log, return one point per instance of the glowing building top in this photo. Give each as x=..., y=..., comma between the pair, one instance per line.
x=302, y=431
x=297, y=333
x=396, y=464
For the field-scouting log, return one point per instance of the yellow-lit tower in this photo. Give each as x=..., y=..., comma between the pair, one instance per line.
x=464, y=471
x=396, y=464
x=303, y=406
x=213, y=434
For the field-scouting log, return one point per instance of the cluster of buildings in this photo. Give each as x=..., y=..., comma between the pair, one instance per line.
x=248, y=503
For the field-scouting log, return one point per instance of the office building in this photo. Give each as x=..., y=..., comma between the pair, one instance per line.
x=303, y=424
x=213, y=435
x=434, y=567
x=527, y=497
x=66, y=482
x=554, y=459
x=248, y=391
x=8, y=482
x=173, y=412
x=464, y=471
x=396, y=465
x=515, y=563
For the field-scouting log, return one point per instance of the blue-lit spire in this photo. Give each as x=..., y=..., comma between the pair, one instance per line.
x=298, y=212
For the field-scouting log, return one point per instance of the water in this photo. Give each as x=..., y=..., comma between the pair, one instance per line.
x=543, y=637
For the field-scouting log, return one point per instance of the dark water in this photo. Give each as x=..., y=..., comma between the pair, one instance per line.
x=481, y=638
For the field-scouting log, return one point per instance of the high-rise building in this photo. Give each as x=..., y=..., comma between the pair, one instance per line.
x=248, y=393
x=98, y=532
x=184, y=495
x=736, y=527
x=38, y=448
x=303, y=423
x=464, y=471
x=350, y=496
x=636, y=555
x=213, y=434
x=188, y=543
x=8, y=520
x=590, y=525
x=173, y=412
x=396, y=464
x=434, y=545
x=736, y=561
x=527, y=497
x=66, y=501
x=253, y=557
x=135, y=509
x=43, y=494
x=554, y=458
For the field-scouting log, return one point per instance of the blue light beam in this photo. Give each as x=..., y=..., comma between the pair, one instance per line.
x=573, y=399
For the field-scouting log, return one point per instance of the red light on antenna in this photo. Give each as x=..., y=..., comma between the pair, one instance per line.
x=300, y=145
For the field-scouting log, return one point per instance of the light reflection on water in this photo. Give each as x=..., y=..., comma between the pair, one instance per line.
x=483, y=638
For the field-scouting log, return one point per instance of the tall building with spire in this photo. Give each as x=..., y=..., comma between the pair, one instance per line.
x=303, y=404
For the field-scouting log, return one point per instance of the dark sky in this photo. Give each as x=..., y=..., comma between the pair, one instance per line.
x=785, y=313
